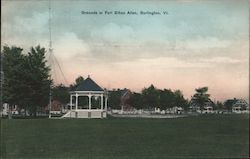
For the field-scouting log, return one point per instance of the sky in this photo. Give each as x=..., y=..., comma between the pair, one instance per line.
x=197, y=43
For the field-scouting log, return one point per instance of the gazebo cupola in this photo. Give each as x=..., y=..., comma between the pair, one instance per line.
x=93, y=92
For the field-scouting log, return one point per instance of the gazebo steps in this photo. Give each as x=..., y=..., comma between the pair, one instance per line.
x=85, y=114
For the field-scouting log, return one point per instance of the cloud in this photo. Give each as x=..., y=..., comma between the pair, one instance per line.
x=207, y=43
x=69, y=47
x=32, y=25
x=113, y=33
x=224, y=60
x=26, y=31
x=162, y=63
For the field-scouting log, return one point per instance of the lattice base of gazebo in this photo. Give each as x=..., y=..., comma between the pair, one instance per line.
x=86, y=114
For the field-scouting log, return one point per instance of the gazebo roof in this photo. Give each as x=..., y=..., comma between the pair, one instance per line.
x=88, y=85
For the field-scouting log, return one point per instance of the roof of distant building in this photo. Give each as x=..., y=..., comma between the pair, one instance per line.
x=124, y=91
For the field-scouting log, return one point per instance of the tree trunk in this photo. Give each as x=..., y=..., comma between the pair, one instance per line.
x=25, y=111
x=35, y=112
x=10, y=112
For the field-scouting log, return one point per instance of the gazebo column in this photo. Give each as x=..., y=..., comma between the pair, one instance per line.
x=89, y=101
x=102, y=102
x=71, y=102
x=76, y=102
x=106, y=103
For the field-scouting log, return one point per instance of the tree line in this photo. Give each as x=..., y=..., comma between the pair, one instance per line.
x=28, y=84
x=152, y=97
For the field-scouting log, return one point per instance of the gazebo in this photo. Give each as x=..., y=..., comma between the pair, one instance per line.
x=95, y=94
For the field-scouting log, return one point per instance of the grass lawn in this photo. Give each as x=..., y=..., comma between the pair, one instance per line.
x=206, y=136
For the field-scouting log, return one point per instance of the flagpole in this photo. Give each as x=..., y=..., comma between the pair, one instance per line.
x=1, y=86
x=50, y=52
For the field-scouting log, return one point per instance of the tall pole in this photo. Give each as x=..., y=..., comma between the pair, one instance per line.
x=1, y=103
x=50, y=103
x=50, y=41
x=50, y=52
x=1, y=86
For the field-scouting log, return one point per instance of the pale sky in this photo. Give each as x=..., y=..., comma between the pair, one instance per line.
x=198, y=43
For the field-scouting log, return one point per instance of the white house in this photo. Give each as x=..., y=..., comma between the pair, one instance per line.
x=14, y=109
x=208, y=109
x=240, y=106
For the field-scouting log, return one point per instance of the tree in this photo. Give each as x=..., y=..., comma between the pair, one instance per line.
x=201, y=97
x=150, y=97
x=180, y=101
x=14, y=81
x=39, y=83
x=115, y=99
x=166, y=99
x=61, y=94
x=136, y=100
x=78, y=81
x=219, y=105
x=26, y=81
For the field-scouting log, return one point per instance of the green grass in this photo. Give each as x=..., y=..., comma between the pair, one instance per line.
x=206, y=136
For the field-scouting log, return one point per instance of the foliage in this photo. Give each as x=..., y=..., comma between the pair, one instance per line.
x=219, y=106
x=61, y=94
x=39, y=83
x=78, y=81
x=26, y=81
x=180, y=101
x=201, y=97
x=115, y=99
x=150, y=97
x=229, y=104
x=14, y=81
x=136, y=100
x=166, y=99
